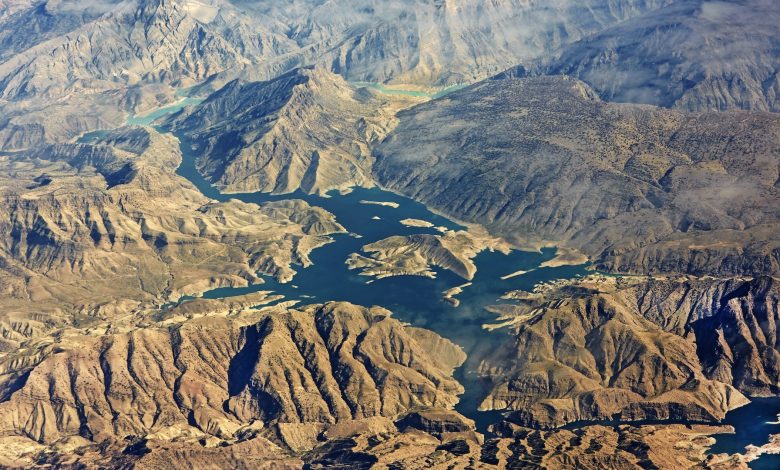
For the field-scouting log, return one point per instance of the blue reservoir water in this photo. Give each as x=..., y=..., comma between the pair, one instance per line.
x=418, y=300
x=147, y=119
x=413, y=299
x=754, y=423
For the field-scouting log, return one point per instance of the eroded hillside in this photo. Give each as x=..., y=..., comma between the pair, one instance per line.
x=108, y=357
x=692, y=55
x=91, y=231
x=630, y=186
x=307, y=130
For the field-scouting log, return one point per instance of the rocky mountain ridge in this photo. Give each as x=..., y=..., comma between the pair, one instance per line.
x=691, y=55
x=630, y=186
x=94, y=230
x=422, y=42
x=127, y=57
x=600, y=348
x=307, y=130
x=106, y=362
x=283, y=375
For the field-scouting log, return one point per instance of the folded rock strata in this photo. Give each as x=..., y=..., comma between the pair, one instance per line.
x=635, y=348
x=233, y=378
x=82, y=224
x=307, y=130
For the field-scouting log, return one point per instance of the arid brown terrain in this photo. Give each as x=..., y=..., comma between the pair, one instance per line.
x=144, y=324
x=307, y=130
x=630, y=186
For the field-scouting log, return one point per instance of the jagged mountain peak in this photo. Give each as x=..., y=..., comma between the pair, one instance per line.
x=307, y=129
x=242, y=103
x=302, y=78
x=130, y=56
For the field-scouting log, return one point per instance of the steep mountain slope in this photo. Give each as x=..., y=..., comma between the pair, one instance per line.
x=285, y=375
x=44, y=20
x=443, y=42
x=636, y=348
x=413, y=41
x=106, y=362
x=126, y=57
x=114, y=58
x=133, y=42
x=307, y=130
x=90, y=231
x=733, y=321
x=693, y=55
x=637, y=188
x=583, y=352
x=110, y=58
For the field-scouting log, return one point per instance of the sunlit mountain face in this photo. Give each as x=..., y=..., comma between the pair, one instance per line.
x=397, y=234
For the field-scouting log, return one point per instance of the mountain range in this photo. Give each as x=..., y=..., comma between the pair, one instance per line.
x=155, y=313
